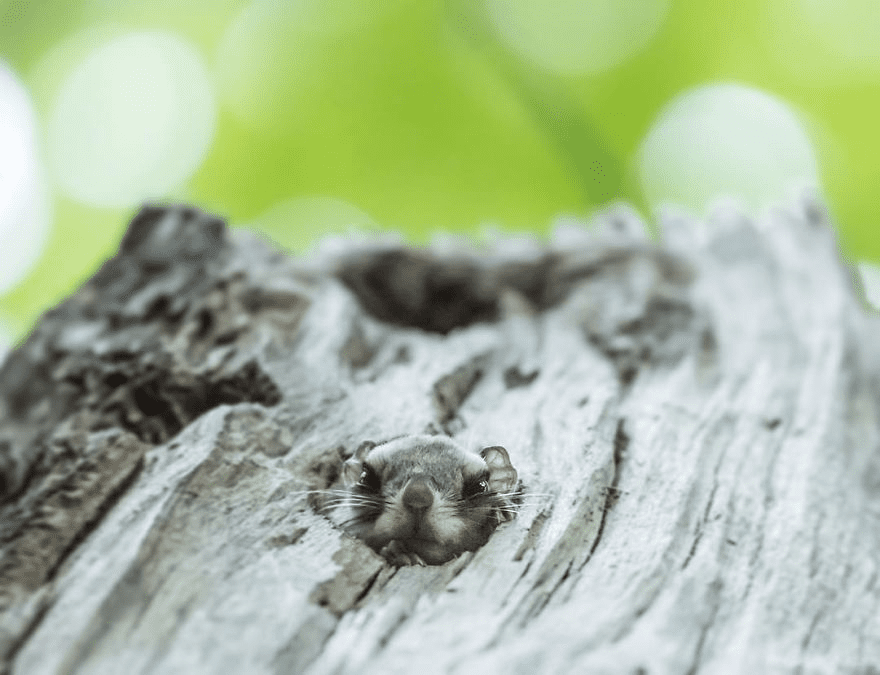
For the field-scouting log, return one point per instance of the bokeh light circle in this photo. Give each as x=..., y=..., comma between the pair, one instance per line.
x=24, y=204
x=725, y=140
x=578, y=37
x=132, y=121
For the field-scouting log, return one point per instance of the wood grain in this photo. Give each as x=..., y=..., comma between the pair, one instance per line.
x=696, y=424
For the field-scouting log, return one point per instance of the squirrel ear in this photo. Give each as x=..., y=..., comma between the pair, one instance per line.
x=363, y=450
x=351, y=471
x=502, y=475
x=353, y=467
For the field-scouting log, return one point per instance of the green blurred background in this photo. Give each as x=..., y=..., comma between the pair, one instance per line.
x=306, y=117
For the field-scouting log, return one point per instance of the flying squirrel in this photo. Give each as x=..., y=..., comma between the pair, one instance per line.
x=420, y=500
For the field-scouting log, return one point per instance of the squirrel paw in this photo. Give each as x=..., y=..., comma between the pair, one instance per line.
x=396, y=554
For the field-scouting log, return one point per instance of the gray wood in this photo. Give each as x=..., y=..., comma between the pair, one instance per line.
x=697, y=428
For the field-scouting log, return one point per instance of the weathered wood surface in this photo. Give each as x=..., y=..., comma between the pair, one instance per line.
x=697, y=428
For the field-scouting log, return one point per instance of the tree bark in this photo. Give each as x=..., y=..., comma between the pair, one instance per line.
x=696, y=426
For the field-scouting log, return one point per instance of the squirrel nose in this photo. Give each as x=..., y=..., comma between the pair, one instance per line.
x=417, y=496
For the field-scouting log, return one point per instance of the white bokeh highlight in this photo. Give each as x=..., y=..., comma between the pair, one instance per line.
x=132, y=121
x=577, y=37
x=725, y=140
x=24, y=204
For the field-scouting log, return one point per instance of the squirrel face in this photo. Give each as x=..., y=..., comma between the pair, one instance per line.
x=424, y=499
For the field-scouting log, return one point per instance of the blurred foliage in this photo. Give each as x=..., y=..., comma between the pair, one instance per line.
x=418, y=118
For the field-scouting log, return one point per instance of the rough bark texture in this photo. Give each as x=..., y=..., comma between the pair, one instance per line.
x=697, y=428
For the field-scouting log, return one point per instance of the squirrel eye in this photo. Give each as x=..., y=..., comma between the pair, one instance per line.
x=369, y=478
x=475, y=487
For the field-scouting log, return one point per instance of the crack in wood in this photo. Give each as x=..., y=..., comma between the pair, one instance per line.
x=713, y=600
x=70, y=509
x=60, y=519
x=16, y=630
x=620, y=446
x=705, y=517
x=451, y=390
x=808, y=637
x=585, y=526
x=533, y=534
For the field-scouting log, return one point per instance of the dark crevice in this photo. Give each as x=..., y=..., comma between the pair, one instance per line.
x=808, y=637
x=12, y=491
x=757, y=552
x=541, y=603
x=621, y=445
x=76, y=501
x=115, y=379
x=306, y=645
x=561, y=562
x=92, y=524
x=157, y=308
x=705, y=519
x=451, y=391
x=368, y=586
x=283, y=540
x=661, y=334
x=640, y=611
x=158, y=402
x=439, y=293
x=204, y=324
x=7, y=659
x=714, y=593
x=532, y=535
x=522, y=575
x=773, y=423
x=360, y=571
x=5, y=483
x=459, y=568
x=227, y=337
x=612, y=492
x=408, y=288
x=514, y=377
x=693, y=549
x=385, y=638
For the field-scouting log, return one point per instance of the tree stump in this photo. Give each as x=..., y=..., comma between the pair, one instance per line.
x=696, y=426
